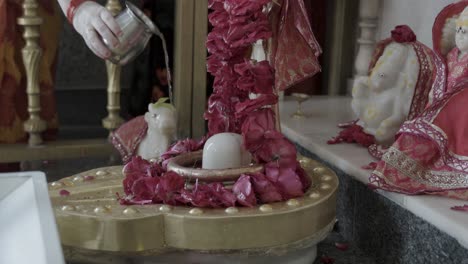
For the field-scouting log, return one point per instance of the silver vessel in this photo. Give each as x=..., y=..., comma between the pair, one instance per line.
x=137, y=30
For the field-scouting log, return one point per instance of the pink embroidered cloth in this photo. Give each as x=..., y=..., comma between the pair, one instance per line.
x=457, y=68
x=294, y=49
x=430, y=155
x=128, y=136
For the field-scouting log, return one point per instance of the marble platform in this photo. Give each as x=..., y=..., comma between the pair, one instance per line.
x=389, y=227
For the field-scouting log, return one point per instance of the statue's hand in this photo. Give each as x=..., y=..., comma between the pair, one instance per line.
x=360, y=94
x=360, y=87
x=385, y=134
x=94, y=22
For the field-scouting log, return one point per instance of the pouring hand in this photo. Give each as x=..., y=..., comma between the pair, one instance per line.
x=95, y=23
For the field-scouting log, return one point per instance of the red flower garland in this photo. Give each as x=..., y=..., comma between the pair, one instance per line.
x=237, y=25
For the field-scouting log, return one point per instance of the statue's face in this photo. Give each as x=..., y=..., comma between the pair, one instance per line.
x=461, y=38
x=161, y=118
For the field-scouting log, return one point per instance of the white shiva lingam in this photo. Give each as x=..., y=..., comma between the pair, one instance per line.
x=225, y=151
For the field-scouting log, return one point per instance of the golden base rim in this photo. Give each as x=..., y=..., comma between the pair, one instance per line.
x=91, y=217
x=180, y=165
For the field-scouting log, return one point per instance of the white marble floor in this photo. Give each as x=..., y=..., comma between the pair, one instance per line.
x=323, y=115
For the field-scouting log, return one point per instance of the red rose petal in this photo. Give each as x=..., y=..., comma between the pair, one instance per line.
x=351, y=134
x=89, y=178
x=342, y=246
x=403, y=34
x=64, y=192
x=244, y=192
x=463, y=208
x=371, y=166
x=266, y=190
x=327, y=260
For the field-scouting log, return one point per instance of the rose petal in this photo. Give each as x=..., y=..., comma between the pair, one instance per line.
x=327, y=260
x=255, y=77
x=265, y=189
x=278, y=149
x=463, y=208
x=351, y=134
x=64, y=192
x=243, y=7
x=371, y=166
x=247, y=107
x=256, y=126
x=342, y=246
x=403, y=34
x=243, y=190
x=305, y=179
x=89, y=178
x=286, y=179
x=144, y=188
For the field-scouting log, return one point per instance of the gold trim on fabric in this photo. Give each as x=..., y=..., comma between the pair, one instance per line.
x=414, y=170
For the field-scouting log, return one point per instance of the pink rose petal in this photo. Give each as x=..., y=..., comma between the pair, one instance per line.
x=327, y=260
x=244, y=192
x=266, y=190
x=342, y=246
x=463, y=208
x=89, y=177
x=64, y=192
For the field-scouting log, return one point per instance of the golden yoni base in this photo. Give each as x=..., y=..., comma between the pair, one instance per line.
x=91, y=218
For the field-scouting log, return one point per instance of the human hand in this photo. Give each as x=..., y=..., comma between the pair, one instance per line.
x=95, y=23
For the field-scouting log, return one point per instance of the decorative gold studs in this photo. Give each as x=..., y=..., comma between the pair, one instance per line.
x=56, y=185
x=196, y=211
x=165, y=208
x=325, y=186
x=314, y=195
x=89, y=178
x=78, y=178
x=68, y=208
x=326, y=177
x=153, y=160
x=67, y=182
x=292, y=202
x=231, y=210
x=319, y=170
x=266, y=208
x=305, y=162
x=130, y=211
x=101, y=210
x=101, y=173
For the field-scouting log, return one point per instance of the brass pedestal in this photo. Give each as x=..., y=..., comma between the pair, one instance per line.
x=91, y=220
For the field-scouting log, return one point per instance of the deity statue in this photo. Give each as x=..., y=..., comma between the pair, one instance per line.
x=161, y=120
x=148, y=136
x=382, y=100
x=430, y=155
x=396, y=90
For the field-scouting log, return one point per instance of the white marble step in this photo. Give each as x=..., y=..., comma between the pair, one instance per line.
x=323, y=115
